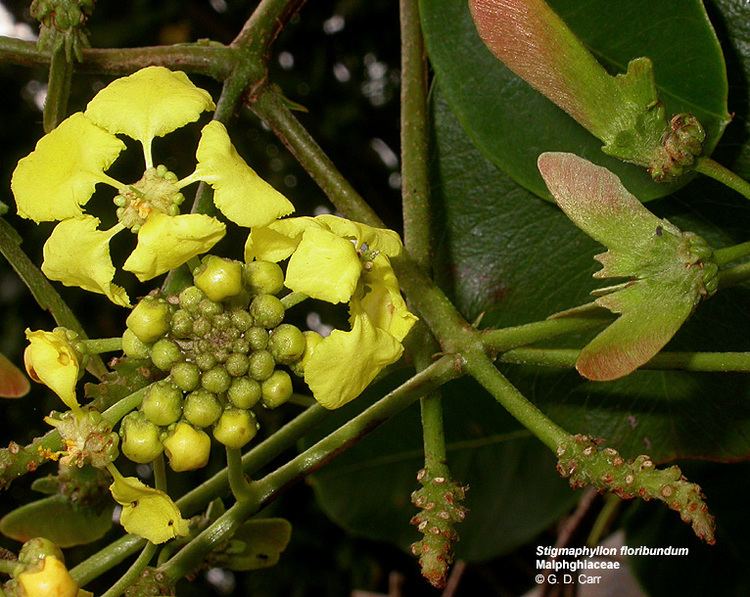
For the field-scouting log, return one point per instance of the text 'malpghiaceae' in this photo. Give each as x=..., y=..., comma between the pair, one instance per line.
x=669, y=271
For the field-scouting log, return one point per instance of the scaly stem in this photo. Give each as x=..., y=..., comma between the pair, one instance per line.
x=241, y=489
x=733, y=253
x=213, y=60
x=101, y=345
x=308, y=462
x=709, y=167
x=269, y=105
x=688, y=361
x=58, y=89
x=133, y=572
x=41, y=289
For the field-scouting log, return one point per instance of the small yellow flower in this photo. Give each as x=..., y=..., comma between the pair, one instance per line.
x=52, y=580
x=187, y=448
x=52, y=360
x=146, y=512
x=337, y=260
x=59, y=177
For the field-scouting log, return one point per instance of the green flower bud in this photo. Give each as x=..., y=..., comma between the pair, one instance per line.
x=261, y=365
x=140, y=438
x=286, y=344
x=216, y=380
x=267, y=311
x=258, y=338
x=165, y=354
x=219, y=278
x=221, y=321
x=238, y=301
x=149, y=320
x=237, y=364
x=162, y=404
x=235, y=428
x=240, y=346
x=241, y=320
x=201, y=327
x=190, y=298
x=35, y=550
x=181, y=324
x=264, y=277
x=205, y=361
x=186, y=376
x=187, y=448
x=244, y=392
x=276, y=390
x=201, y=408
x=133, y=347
x=209, y=308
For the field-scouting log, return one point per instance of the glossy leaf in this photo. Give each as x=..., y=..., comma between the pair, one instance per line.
x=512, y=124
x=59, y=520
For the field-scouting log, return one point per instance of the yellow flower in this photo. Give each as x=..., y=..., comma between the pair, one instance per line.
x=52, y=580
x=146, y=512
x=52, y=360
x=337, y=260
x=59, y=177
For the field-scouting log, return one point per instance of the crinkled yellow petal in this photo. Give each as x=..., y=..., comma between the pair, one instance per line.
x=278, y=240
x=54, y=180
x=324, y=266
x=377, y=239
x=77, y=254
x=149, y=103
x=239, y=193
x=147, y=512
x=166, y=242
x=52, y=580
x=345, y=363
x=51, y=359
x=379, y=296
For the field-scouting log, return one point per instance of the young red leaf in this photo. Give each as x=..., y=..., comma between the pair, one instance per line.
x=670, y=271
x=13, y=383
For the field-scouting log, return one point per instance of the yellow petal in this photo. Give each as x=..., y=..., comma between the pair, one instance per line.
x=147, y=512
x=77, y=254
x=379, y=296
x=377, y=239
x=324, y=266
x=149, y=103
x=54, y=180
x=278, y=240
x=166, y=242
x=240, y=194
x=345, y=363
x=53, y=580
x=52, y=360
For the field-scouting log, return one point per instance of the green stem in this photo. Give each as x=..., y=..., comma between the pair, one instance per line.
x=133, y=573
x=42, y=291
x=115, y=553
x=122, y=407
x=8, y=566
x=482, y=369
x=709, y=167
x=732, y=276
x=604, y=519
x=58, y=89
x=308, y=462
x=689, y=361
x=508, y=338
x=102, y=345
x=237, y=481
x=213, y=59
x=264, y=25
x=160, y=473
x=268, y=104
x=293, y=298
x=733, y=253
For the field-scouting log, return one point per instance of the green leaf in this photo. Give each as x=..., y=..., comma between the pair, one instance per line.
x=59, y=520
x=670, y=270
x=512, y=124
x=519, y=259
x=256, y=544
x=366, y=489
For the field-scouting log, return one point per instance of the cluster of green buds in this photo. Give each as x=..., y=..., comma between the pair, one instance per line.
x=62, y=23
x=221, y=342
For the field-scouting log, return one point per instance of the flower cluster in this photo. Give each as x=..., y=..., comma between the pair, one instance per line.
x=59, y=177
